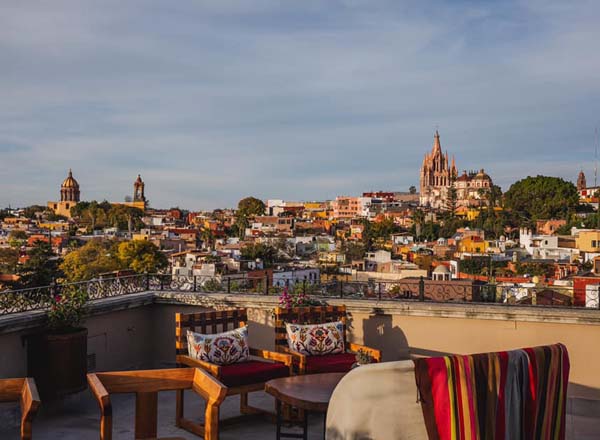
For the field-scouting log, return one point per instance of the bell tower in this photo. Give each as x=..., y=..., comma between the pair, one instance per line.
x=138, y=190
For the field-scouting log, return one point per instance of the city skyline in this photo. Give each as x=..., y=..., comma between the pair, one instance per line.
x=217, y=101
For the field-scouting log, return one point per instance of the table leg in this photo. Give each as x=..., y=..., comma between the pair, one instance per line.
x=278, y=434
x=305, y=426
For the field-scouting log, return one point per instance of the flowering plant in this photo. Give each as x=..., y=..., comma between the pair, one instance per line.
x=67, y=309
x=297, y=298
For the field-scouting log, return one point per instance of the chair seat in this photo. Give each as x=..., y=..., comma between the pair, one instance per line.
x=330, y=363
x=251, y=372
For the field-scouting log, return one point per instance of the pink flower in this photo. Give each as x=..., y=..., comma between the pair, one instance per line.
x=57, y=298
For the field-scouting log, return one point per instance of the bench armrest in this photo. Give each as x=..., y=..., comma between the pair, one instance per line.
x=286, y=359
x=213, y=369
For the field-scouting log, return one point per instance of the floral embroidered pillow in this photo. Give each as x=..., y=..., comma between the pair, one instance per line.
x=221, y=348
x=316, y=339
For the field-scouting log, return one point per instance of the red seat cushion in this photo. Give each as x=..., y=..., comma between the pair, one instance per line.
x=330, y=363
x=251, y=372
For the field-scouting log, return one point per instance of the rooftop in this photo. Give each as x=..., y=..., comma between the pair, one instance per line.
x=136, y=330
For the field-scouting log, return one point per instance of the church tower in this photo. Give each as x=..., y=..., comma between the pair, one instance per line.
x=138, y=190
x=581, y=183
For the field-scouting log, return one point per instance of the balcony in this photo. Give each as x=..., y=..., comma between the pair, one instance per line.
x=131, y=326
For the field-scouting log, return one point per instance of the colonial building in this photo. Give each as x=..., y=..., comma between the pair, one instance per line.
x=69, y=197
x=438, y=175
x=586, y=193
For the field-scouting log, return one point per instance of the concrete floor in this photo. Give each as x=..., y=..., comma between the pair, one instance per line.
x=77, y=418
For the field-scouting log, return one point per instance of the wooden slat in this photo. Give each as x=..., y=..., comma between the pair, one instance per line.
x=147, y=380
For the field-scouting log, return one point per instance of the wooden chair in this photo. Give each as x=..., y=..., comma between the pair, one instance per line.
x=24, y=391
x=240, y=378
x=331, y=363
x=146, y=384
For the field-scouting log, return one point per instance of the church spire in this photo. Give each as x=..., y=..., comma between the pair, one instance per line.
x=436, y=144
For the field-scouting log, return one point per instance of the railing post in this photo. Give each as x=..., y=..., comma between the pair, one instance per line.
x=379, y=292
x=160, y=277
x=195, y=283
x=304, y=286
x=147, y=281
x=228, y=284
x=421, y=289
x=341, y=289
x=266, y=283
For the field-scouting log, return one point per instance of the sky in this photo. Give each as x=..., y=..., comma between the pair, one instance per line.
x=212, y=101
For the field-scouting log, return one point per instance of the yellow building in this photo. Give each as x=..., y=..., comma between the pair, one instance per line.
x=473, y=245
x=589, y=241
x=69, y=197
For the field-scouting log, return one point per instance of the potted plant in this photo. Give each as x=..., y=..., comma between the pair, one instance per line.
x=362, y=358
x=57, y=356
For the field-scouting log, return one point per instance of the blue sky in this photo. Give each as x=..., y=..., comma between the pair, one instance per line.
x=212, y=101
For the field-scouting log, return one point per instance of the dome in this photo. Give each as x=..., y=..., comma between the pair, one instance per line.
x=441, y=269
x=70, y=181
x=481, y=175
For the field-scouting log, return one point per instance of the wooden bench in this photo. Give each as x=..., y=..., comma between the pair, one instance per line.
x=240, y=378
x=336, y=363
x=146, y=384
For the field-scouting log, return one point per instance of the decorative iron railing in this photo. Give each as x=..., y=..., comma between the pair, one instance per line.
x=410, y=289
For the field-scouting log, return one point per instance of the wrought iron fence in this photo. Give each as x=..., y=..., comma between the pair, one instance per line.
x=411, y=289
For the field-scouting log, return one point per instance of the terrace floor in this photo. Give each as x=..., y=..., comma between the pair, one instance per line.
x=77, y=418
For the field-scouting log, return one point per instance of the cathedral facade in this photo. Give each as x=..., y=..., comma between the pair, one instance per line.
x=439, y=174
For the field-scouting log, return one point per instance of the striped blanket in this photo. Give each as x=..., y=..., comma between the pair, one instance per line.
x=516, y=395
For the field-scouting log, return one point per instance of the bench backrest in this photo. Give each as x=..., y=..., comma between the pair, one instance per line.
x=210, y=322
x=306, y=315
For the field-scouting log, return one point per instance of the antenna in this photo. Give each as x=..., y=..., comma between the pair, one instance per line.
x=596, y=157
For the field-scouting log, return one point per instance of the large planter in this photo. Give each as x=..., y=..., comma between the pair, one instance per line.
x=58, y=362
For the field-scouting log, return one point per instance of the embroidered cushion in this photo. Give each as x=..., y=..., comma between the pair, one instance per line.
x=316, y=339
x=220, y=348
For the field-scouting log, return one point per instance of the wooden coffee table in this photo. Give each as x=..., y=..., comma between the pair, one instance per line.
x=310, y=392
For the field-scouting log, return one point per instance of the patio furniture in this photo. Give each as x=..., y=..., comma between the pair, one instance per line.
x=329, y=363
x=24, y=391
x=147, y=384
x=239, y=378
x=309, y=393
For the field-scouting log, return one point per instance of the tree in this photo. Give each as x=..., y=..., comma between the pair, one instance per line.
x=353, y=251
x=9, y=258
x=32, y=211
x=452, y=199
x=141, y=256
x=412, y=189
x=17, y=238
x=247, y=208
x=89, y=261
x=418, y=218
x=40, y=268
x=267, y=253
x=125, y=217
x=542, y=197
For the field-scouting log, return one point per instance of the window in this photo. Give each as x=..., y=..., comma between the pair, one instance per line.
x=594, y=243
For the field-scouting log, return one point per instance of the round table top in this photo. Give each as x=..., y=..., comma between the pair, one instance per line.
x=310, y=392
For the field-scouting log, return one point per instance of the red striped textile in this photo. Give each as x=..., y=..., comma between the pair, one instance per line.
x=517, y=395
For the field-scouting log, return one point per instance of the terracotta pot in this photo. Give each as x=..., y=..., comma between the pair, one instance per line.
x=58, y=362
